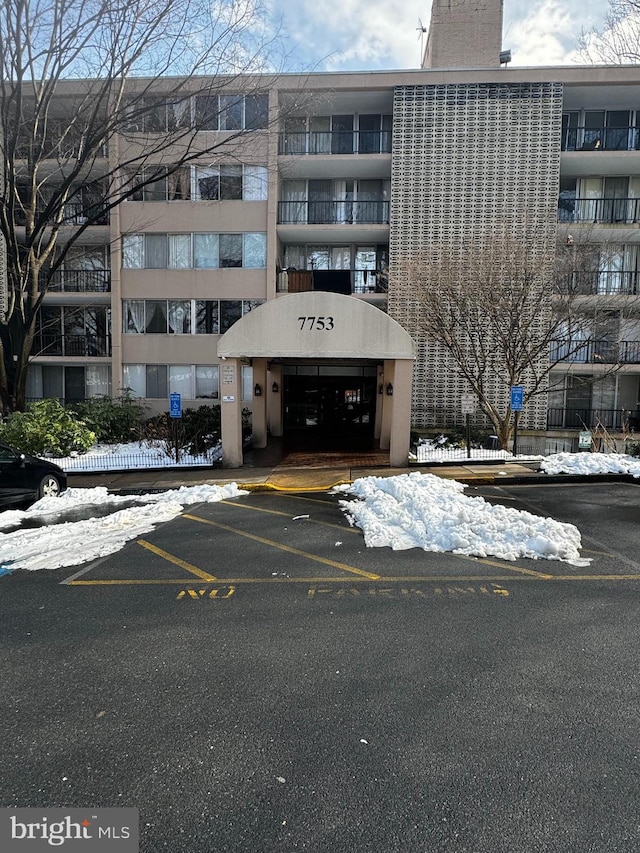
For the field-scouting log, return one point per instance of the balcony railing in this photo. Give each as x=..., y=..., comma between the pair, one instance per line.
x=601, y=139
x=601, y=283
x=70, y=345
x=75, y=213
x=333, y=281
x=595, y=352
x=333, y=212
x=336, y=142
x=612, y=419
x=605, y=210
x=81, y=281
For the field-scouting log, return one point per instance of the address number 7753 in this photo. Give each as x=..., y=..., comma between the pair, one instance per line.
x=320, y=324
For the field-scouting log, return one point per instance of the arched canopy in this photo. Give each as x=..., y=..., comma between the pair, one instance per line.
x=316, y=325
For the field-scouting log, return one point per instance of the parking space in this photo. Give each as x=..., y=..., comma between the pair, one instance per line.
x=274, y=539
x=252, y=672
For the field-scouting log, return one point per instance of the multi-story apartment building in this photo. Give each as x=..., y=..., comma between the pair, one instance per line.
x=271, y=281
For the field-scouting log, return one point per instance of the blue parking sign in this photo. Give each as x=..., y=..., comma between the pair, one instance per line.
x=517, y=398
x=175, y=406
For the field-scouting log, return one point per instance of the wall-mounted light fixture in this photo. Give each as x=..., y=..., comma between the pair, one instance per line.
x=381, y=388
x=257, y=391
x=275, y=388
x=389, y=390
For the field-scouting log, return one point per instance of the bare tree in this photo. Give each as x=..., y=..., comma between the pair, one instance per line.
x=505, y=317
x=98, y=100
x=618, y=40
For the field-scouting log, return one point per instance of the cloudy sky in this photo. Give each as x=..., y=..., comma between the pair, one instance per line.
x=326, y=35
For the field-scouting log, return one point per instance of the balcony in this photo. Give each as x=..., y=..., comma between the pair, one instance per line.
x=607, y=211
x=335, y=142
x=333, y=212
x=75, y=213
x=347, y=282
x=601, y=139
x=81, y=281
x=611, y=419
x=595, y=352
x=601, y=283
x=72, y=345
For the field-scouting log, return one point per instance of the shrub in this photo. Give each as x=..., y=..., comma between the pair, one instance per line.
x=195, y=432
x=113, y=419
x=46, y=427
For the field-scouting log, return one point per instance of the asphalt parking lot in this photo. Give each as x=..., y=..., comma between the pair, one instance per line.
x=253, y=678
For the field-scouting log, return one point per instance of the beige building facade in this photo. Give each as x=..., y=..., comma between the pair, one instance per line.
x=268, y=278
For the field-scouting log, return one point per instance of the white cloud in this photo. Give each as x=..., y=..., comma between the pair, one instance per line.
x=383, y=34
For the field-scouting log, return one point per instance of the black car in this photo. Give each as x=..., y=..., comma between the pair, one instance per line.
x=27, y=478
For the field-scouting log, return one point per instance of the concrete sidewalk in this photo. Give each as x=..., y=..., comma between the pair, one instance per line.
x=306, y=479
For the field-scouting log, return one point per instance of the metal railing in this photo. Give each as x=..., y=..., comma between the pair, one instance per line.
x=72, y=345
x=609, y=210
x=333, y=212
x=75, y=213
x=81, y=281
x=361, y=281
x=600, y=138
x=587, y=418
x=335, y=142
x=600, y=283
x=595, y=351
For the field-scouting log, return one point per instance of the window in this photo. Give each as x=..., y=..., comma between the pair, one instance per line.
x=230, y=183
x=231, y=112
x=207, y=381
x=179, y=251
x=207, y=317
x=194, y=251
x=134, y=379
x=230, y=250
x=156, y=375
x=256, y=111
x=205, y=251
x=255, y=183
x=247, y=383
x=133, y=251
x=230, y=311
x=67, y=382
x=181, y=380
x=179, y=317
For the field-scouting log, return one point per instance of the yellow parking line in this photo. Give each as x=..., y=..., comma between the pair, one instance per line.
x=288, y=515
x=287, y=548
x=518, y=569
x=346, y=580
x=176, y=560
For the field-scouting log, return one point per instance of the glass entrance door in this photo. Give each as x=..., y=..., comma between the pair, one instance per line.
x=336, y=412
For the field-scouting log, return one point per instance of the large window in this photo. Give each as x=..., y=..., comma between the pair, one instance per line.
x=183, y=317
x=229, y=183
x=231, y=112
x=194, y=251
x=192, y=381
x=70, y=383
x=159, y=184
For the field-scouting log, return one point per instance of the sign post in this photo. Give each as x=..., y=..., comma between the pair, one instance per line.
x=468, y=408
x=175, y=412
x=517, y=401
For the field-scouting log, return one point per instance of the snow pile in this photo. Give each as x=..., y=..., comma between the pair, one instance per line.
x=591, y=463
x=75, y=542
x=424, y=511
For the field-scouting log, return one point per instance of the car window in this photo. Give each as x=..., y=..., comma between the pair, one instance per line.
x=7, y=455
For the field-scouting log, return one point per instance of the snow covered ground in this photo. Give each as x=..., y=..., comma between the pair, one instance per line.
x=409, y=511
x=132, y=456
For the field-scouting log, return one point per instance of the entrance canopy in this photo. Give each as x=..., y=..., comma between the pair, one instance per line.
x=316, y=325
